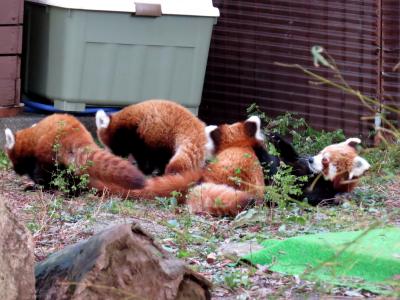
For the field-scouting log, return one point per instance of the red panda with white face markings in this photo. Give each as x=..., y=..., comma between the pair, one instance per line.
x=235, y=178
x=159, y=134
x=60, y=139
x=340, y=164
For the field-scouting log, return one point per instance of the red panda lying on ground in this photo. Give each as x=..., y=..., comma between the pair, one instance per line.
x=338, y=163
x=229, y=183
x=61, y=139
x=235, y=177
x=159, y=134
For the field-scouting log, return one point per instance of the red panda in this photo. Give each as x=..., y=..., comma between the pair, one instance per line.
x=61, y=139
x=225, y=186
x=340, y=164
x=159, y=134
x=235, y=177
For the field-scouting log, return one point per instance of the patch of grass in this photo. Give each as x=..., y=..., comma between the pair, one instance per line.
x=5, y=163
x=33, y=226
x=170, y=202
x=234, y=278
x=384, y=160
x=116, y=206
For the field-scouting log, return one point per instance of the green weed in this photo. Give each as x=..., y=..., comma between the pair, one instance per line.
x=4, y=161
x=72, y=179
x=305, y=139
x=126, y=207
x=284, y=186
x=170, y=202
x=233, y=278
x=33, y=226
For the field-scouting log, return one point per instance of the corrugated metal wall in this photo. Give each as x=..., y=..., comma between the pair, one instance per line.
x=251, y=35
x=391, y=53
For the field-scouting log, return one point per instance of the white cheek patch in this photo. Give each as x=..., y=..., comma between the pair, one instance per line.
x=33, y=125
x=316, y=165
x=259, y=135
x=210, y=146
x=332, y=172
x=102, y=119
x=10, y=139
x=360, y=165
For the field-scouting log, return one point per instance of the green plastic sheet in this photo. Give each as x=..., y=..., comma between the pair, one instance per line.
x=367, y=259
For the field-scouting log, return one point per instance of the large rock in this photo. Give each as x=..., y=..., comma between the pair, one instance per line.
x=118, y=263
x=17, y=279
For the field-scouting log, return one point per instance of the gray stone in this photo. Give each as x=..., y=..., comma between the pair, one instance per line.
x=17, y=279
x=238, y=249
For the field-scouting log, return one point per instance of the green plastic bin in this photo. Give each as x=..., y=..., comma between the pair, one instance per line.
x=117, y=52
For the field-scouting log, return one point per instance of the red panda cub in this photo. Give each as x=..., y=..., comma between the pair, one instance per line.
x=61, y=139
x=160, y=135
x=235, y=178
x=340, y=164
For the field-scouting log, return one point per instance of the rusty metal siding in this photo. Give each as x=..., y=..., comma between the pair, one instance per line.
x=251, y=35
x=391, y=53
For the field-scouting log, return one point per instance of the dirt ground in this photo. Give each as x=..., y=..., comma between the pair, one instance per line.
x=209, y=245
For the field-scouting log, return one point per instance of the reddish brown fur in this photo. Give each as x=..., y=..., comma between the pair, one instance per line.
x=162, y=124
x=231, y=183
x=341, y=156
x=228, y=184
x=235, y=166
x=76, y=147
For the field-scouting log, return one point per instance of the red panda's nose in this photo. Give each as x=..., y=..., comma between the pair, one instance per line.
x=311, y=160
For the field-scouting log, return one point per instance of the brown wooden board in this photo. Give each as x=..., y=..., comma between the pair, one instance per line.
x=11, y=12
x=9, y=94
x=9, y=67
x=10, y=39
x=9, y=81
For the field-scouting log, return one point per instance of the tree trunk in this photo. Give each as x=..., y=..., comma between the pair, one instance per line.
x=17, y=279
x=119, y=263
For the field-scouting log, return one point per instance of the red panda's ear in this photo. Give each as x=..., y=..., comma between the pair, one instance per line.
x=211, y=139
x=10, y=138
x=353, y=142
x=252, y=127
x=102, y=119
x=216, y=136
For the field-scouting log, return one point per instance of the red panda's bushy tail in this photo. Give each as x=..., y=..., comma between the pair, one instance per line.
x=163, y=186
x=108, y=168
x=160, y=186
x=218, y=200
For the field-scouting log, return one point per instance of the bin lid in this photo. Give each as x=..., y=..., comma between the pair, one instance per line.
x=168, y=7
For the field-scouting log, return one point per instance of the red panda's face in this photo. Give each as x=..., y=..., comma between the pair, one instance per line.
x=240, y=134
x=340, y=160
